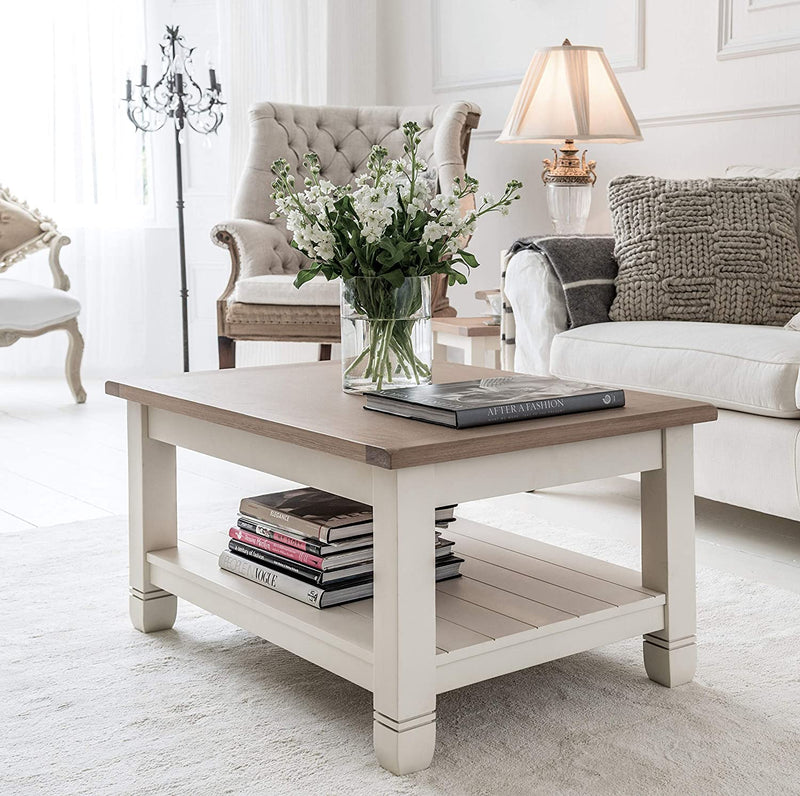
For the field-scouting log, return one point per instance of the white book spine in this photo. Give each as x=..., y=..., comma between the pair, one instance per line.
x=277, y=581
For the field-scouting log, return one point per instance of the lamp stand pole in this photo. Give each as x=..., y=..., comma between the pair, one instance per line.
x=182, y=251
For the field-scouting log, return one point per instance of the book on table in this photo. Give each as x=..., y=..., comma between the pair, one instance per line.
x=315, y=514
x=316, y=547
x=314, y=574
x=317, y=596
x=503, y=399
x=321, y=563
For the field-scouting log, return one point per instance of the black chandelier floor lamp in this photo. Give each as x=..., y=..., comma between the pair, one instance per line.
x=177, y=96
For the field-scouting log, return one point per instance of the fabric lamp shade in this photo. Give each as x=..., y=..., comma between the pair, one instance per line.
x=570, y=93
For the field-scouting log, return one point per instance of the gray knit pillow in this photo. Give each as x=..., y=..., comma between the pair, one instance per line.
x=718, y=250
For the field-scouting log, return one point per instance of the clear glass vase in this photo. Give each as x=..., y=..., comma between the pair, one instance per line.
x=386, y=333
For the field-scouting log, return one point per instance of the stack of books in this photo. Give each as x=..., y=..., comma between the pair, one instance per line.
x=315, y=546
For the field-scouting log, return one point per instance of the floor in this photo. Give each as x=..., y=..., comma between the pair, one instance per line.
x=62, y=463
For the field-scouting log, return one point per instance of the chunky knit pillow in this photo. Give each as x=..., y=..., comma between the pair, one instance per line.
x=718, y=250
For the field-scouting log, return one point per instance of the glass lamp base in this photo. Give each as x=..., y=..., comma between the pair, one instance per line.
x=569, y=207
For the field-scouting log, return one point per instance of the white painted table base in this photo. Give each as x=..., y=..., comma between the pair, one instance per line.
x=476, y=349
x=415, y=638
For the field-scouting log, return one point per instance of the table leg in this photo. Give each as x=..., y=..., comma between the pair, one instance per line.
x=475, y=352
x=404, y=624
x=668, y=558
x=152, y=520
x=439, y=350
x=496, y=358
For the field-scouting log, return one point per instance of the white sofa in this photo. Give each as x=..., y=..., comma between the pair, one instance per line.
x=751, y=456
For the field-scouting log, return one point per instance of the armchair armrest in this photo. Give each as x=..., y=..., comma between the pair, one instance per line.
x=60, y=279
x=535, y=300
x=52, y=240
x=257, y=248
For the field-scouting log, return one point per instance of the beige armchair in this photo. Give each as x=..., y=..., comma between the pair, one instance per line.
x=259, y=301
x=28, y=310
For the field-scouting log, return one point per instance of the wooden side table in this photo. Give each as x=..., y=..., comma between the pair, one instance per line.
x=471, y=335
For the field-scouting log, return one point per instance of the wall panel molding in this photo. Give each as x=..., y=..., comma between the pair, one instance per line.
x=734, y=44
x=443, y=82
x=701, y=117
x=760, y=5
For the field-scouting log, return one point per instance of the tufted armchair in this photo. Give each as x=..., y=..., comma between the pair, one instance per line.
x=259, y=301
x=28, y=310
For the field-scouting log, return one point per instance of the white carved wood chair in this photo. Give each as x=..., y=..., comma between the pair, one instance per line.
x=28, y=310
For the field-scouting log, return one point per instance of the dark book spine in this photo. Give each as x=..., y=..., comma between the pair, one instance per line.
x=307, y=545
x=255, y=554
x=550, y=407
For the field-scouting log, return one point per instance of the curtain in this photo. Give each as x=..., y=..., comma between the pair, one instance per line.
x=67, y=147
x=278, y=53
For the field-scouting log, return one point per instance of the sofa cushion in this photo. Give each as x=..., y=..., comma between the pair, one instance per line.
x=28, y=308
x=717, y=250
x=280, y=289
x=747, y=368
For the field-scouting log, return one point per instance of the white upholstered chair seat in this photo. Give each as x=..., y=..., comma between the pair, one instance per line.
x=280, y=289
x=26, y=308
x=733, y=366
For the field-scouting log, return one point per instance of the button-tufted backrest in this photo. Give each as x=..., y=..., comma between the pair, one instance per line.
x=343, y=138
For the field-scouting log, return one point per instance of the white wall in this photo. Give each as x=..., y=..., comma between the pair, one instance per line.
x=700, y=108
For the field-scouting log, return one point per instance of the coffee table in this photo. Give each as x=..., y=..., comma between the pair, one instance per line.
x=519, y=602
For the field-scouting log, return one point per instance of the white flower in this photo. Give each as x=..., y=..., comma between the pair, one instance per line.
x=325, y=245
x=444, y=201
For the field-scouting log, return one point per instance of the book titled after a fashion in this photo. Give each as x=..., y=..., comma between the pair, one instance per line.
x=483, y=402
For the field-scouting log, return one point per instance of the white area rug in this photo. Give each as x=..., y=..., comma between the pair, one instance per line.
x=90, y=706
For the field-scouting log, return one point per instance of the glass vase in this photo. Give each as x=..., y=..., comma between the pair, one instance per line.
x=386, y=333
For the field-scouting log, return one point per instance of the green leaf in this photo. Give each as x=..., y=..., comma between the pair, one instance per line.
x=394, y=277
x=468, y=259
x=305, y=274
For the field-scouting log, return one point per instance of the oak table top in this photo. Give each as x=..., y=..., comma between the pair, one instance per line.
x=303, y=404
x=466, y=327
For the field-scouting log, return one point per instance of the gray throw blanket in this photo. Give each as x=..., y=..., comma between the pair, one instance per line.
x=586, y=268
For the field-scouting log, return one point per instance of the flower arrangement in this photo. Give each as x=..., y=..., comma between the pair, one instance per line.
x=388, y=227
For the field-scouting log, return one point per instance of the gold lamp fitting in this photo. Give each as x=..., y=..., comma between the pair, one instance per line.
x=568, y=168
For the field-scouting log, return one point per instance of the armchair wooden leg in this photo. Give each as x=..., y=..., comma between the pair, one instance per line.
x=324, y=352
x=227, y=352
x=74, y=357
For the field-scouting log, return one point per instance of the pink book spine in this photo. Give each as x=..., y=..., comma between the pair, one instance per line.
x=275, y=547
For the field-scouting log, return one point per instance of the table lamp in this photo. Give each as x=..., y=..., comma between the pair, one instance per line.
x=570, y=94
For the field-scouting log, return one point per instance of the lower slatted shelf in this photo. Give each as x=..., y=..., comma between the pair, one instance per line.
x=518, y=602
